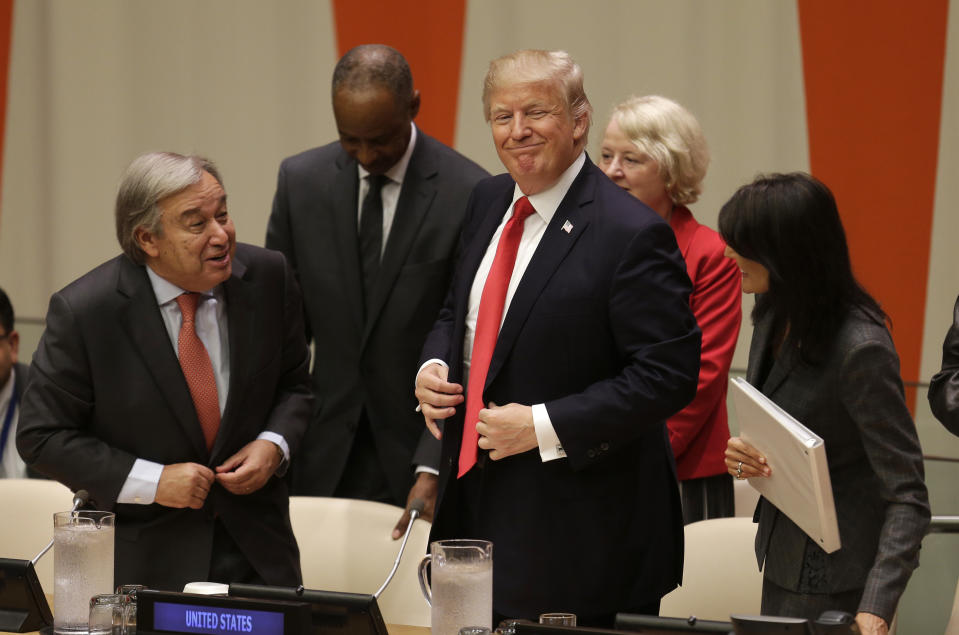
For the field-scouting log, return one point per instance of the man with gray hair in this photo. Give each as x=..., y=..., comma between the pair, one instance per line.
x=172, y=383
x=568, y=325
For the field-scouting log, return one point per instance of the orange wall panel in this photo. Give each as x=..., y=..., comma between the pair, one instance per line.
x=429, y=33
x=873, y=75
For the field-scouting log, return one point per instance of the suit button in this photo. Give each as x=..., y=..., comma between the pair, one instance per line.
x=591, y=453
x=604, y=447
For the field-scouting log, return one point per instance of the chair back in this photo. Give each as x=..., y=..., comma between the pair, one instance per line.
x=346, y=545
x=952, y=628
x=28, y=506
x=720, y=575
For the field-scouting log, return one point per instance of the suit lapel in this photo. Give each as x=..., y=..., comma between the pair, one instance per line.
x=241, y=312
x=552, y=249
x=140, y=316
x=416, y=196
x=344, y=191
x=759, y=350
x=469, y=264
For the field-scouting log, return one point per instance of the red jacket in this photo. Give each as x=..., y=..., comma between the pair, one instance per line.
x=699, y=432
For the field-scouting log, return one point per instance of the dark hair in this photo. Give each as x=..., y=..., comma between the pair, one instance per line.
x=789, y=224
x=6, y=312
x=374, y=65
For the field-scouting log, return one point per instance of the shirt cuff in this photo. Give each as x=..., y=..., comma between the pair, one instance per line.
x=427, y=363
x=278, y=439
x=429, y=470
x=550, y=448
x=140, y=488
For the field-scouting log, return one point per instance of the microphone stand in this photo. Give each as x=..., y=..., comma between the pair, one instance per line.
x=416, y=507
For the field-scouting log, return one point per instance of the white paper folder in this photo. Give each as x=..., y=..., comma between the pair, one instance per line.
x=799, y=485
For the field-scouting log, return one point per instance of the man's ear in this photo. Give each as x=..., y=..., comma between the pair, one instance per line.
x=14, y=339
x=415, y=104
x=580, y=126
x=147, y=242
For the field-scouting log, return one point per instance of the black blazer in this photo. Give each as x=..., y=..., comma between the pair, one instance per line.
x=106, y=388
x=855, y=402
x=368, y=364
x=944, y=387
x=599, y=330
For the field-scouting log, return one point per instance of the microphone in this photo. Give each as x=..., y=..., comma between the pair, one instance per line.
x=416, y=508
x=81, y=498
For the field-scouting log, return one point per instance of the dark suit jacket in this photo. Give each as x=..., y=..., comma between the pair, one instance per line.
x=944, y=387
x=599, y=330
x=855, y=402
x=106, y=388
x=368, y=365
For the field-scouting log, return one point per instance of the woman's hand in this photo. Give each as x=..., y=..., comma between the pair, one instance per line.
x=745, y=461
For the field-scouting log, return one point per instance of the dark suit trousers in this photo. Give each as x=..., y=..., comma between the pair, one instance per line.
x=363, y=476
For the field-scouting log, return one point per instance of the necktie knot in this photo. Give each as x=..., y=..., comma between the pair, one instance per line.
x=522, y=210
x=187, y=303
x=376, y=183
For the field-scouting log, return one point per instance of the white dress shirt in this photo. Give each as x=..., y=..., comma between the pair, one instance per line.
x=545, y=203
x=211, y=326
x=390, y=194
x=11, y=465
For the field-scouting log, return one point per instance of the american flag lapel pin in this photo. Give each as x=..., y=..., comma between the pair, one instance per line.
x=567, y=226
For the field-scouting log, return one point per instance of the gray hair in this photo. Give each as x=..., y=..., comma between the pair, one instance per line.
x=149, y=179
x=374, y=65
x=672, y=136
x=531, y=66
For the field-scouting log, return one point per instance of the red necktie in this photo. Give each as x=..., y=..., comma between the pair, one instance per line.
x=195, y=362
x=487, y=327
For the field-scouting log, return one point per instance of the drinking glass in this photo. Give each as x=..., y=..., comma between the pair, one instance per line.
x=109, y=614
x=558, y=619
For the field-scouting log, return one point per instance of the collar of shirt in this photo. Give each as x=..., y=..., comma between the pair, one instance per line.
x=165, y=291
x=547, y=202
x=397, y=173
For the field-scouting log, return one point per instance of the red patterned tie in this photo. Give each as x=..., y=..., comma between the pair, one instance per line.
x=195, y=362
x=487, y=327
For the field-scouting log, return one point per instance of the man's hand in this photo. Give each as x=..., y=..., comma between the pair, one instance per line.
x=438, y=398
x=424, y=488
x=249, y=469
x=870, y=624
x=184, y=485
x=506, y=430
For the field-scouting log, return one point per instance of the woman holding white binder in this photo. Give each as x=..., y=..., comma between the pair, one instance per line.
x=821, y=351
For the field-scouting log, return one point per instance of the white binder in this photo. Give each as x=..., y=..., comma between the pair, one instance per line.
x=799, y=485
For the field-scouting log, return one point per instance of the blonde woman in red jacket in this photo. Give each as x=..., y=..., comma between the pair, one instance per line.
x=655, y=150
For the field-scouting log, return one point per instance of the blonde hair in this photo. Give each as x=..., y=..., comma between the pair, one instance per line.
x=531, y=66
x=672, y=136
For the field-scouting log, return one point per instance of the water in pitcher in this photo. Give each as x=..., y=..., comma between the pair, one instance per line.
x=83, y=567
x=462, y=596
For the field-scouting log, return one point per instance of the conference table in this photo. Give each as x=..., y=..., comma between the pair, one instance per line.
x=392, y=629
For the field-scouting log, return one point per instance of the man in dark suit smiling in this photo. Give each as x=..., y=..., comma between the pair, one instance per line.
x=370, y=224
x=172, y=383
x=568, y=325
